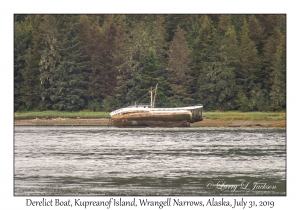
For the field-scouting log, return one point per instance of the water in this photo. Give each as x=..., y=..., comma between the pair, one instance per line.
x=149, y=161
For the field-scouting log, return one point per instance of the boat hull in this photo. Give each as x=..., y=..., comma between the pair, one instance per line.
x=153, y=118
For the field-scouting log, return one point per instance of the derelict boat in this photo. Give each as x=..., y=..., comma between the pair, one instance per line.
x=148, y=115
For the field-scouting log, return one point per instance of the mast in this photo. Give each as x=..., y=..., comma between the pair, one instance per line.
x=151, y=96
x=154, y=95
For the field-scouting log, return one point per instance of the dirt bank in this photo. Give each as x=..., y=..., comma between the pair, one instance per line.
x=62, y=121
x=241, y=123
x=105, y=122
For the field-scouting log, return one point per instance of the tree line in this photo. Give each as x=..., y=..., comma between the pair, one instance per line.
x=107, y=61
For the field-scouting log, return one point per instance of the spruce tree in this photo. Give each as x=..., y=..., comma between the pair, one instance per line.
x=31, y=85
x=231, y=62
x=179, y=69
x=50, y=59
x=217, y=87
x=256, y=33
x=104, y=51
x=174, y=21
x=145, y=35
x=95, y=64
x=278, y=77
x=71, y=85
x=151, y=76
x=113, y=59
x=23, y=33
x=248, y=73
x=200, y=54
x=270, y=49
x=238, y=21
x=62, y=80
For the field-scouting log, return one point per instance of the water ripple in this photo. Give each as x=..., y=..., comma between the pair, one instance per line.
x=79, y=160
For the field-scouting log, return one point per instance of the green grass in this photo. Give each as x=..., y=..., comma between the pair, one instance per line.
x=236, y=115
x=56, y=114
x=216, y=115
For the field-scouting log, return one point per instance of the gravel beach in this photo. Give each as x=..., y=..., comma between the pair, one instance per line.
x=106, y=122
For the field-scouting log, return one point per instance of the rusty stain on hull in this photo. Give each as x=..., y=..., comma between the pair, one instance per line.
x=150, y=123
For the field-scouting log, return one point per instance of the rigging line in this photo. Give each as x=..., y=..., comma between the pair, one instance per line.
x=142, y=97
x=170, y=100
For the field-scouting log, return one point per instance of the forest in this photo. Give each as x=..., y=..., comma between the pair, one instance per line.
x=101, y=62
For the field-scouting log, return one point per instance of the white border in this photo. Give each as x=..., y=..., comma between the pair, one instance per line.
x=8, y=201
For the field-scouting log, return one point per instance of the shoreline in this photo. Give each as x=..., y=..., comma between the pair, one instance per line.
x=106, y=122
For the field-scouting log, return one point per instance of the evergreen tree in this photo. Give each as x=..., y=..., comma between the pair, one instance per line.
x=278, y=75
x=256, y=33
x=113, y=52
x=217, y=87
x=248, y=75
x=61, y=65
x=191, y=37
x=224, y=23
x=175, y=20
x=144, y=36
x=22, y=40
x=50, y=59
x=66, y=62
x=104, y=50
x=151, y=76
x=270, y=49
x=31, y=85
x=71, y=83
x=84, y=35
x=238, y=21
x=95, y=64
x=268, y=22
x=113, y=59
x=179, y=70
x=200, y=55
